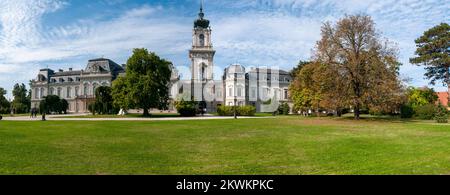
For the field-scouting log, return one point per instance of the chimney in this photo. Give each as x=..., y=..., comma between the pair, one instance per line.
x=61, y=70
x=70, y=69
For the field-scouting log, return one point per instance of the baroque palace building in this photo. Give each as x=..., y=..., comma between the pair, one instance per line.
x=76, y=86
x=261, y=87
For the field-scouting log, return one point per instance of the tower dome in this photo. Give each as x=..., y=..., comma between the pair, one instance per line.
x=201, y=22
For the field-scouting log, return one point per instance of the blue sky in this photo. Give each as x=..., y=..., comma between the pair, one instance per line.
x=35, y=34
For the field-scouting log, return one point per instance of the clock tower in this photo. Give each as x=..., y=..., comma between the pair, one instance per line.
x=202, y=52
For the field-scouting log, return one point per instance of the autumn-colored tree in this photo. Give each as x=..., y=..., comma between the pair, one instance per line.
x=433, y=52
x=305, y=89
x=361, y=62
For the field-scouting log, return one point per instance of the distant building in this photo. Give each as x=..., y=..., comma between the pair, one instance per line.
x=76, y=86
x=443, y=98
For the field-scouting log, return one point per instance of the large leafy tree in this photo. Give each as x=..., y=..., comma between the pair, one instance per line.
x=297, y=68
x=103, y=100
x=366, y=66
x=120, y=94
x=306, y=91
x=433, y=49
x=146, y=81
x=21, y=102
x=4, y=103
x=53, y=104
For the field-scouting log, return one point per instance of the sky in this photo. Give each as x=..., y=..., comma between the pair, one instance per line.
x=62, y=34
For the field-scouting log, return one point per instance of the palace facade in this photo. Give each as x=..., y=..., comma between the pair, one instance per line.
x=76, y=86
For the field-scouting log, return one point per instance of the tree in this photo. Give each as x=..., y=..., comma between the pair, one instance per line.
x=4, y=103
x=364, y=65
x=433, y=49
x=420, y=97
x=63, y=105
x=53, y=104
x=306, y=88
x=21, y=102
x=297, y=69
x=120, y=94
x=103, y=100
x=146, y=81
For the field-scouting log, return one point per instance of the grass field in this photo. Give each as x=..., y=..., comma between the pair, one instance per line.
x=285, y=145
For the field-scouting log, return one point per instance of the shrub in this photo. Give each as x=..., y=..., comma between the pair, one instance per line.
x=246, y=110
x=441, y=115
x=240, y=110
x=92, y=108
x=225, y=110
x=406, y=111
x=426, y=112
x=186, y=108
x=284, y=109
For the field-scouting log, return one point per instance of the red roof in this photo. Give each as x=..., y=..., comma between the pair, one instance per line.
x=443, y=98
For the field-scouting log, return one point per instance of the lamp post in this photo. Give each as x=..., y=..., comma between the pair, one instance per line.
x=235, y=97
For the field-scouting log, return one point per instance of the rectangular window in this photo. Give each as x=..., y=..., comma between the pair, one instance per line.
x=286, y=94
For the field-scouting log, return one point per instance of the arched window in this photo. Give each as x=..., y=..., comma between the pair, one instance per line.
x=94, y=87
x=202, y=40
x=41, y=95
x=59, y=91
x=203, y=72
x=239, y=91
x=52, y=91
x=69, y=92
x=77, y=91
x=85, y=89
x=36, y=93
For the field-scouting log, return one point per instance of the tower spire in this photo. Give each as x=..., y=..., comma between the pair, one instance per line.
x=201, y=14
x=201, y=5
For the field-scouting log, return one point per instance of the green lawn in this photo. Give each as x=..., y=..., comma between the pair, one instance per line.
x=158, y=115
x=284, y=145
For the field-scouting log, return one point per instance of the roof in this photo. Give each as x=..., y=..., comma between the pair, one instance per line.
x=268, y=71
x=105, y=65
x=443, y=98
x=67, y=73
x=235, y=68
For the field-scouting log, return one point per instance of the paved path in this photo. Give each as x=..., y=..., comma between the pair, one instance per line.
x=55, y=118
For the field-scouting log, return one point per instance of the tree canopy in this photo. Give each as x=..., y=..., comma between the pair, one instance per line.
x=21, y=102
x=352, y=67
x=53, y=104
x=146, y=84
x=433, y=49
x=4, y=103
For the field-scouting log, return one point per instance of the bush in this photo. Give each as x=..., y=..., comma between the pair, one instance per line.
x=246, y=111
x=225, y=110
x=284, y=109
x=426, y=112
x=406, y=111
x=441, y=115
x=240, y=110
x=186, y=108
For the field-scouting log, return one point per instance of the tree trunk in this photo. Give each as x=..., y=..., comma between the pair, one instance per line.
x=146, y=113
x=357, y=113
